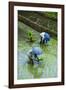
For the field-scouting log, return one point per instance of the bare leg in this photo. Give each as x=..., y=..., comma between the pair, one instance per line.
x=41, y=40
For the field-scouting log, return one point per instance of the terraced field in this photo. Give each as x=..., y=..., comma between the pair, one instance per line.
x=47, y=68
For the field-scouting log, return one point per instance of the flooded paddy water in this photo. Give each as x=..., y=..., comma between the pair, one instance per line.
x=48, y=66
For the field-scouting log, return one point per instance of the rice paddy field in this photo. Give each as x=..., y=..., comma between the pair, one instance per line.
x=47, y=68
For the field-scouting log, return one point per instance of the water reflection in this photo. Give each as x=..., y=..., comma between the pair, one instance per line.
x=35, y=70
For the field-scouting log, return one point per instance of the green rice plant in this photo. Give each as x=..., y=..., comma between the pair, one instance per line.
x=40, y=57
x=30, y=36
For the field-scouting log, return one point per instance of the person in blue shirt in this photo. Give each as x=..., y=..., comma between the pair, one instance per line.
x=45, y=37
x=34, y=53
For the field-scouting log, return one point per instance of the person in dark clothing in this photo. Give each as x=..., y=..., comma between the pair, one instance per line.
x=45, y=37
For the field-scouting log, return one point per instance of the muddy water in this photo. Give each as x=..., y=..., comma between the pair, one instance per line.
x=47, y=68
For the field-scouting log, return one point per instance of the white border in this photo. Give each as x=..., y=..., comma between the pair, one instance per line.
x=58, y=79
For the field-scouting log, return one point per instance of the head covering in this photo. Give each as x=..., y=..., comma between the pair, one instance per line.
x=37, y=50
